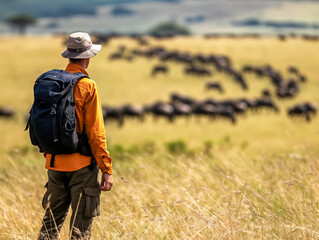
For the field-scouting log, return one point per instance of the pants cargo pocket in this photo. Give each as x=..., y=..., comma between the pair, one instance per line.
x=92, y=202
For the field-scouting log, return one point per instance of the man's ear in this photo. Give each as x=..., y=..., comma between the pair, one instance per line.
x=87, y=62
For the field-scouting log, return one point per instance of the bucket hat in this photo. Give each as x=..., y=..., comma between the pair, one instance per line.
x=79, y=46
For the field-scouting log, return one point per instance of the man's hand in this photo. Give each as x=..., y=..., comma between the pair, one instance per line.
x=106, y=182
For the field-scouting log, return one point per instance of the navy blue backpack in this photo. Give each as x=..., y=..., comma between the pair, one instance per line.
x=52, y=122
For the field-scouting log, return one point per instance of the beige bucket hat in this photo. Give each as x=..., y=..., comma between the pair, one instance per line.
x=79, y=46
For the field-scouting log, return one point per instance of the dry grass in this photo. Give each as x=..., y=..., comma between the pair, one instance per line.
x=259, y=180
x=227, y=195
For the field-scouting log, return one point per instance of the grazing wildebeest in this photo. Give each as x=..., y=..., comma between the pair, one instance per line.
x=214, y=85
x=121, y=48
x=161, y=109
x=165, y=55
x=181, y=109
x=159, y=69
x=224, y=109
x=133, y=111
x=201, y=58
x=116, y=55
x=238, y=106
x=201, y=108
x=184, y=58
x=176, y=97
x=142, y=41
x=288, y=90
x=198, y=71
x=240, y=79
x=306, y=110
x=265, y=93
x=263, y=103
x=113, y=113
x=266, y=103
x=293, y=69
x=226, y=112
x=302, y=78
x=101, y=38
x=6, y=112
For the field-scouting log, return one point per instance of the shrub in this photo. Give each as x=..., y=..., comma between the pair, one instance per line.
x=169, y=28
x=117, y=151
x=177, y=147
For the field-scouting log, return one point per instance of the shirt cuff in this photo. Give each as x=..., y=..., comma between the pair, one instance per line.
x=107, y=165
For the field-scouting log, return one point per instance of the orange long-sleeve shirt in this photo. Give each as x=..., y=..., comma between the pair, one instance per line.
x=88, y=113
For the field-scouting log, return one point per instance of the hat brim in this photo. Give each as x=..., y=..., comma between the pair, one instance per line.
x=82, y=55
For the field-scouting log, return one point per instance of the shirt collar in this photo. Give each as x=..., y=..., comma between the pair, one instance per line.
x=74, y=68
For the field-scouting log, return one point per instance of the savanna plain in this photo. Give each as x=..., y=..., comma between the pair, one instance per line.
x=190, y=179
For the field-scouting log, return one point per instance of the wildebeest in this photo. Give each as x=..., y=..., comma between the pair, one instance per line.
x=101, y=38
x=214, y=85
x=306, y=110
x=201, y=108
x=6, y=112
x=116, y=55
x=181, y=109
x=161, y=109
x=159, y=69
x=293, y=69
x=142, y=41
x=226, y=112
x=302, y=78
x=214, y=110
x=177, y=97
x=265, y=93
x=258, y=104
x=129, y=110
x=198, y=71
x=113, y=113
x=237, y=105
x=287, y=89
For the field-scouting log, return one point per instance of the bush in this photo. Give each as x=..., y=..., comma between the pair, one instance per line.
x=177, y=147
x=117, y=151
x=169, y=28
x=208, y=145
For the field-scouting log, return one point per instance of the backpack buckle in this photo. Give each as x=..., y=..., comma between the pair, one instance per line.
x=53, y=110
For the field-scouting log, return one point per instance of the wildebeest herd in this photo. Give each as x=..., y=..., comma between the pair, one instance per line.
x=185, y=106
x=203, y=66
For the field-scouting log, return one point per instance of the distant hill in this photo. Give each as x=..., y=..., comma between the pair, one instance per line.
x=58, y=8
x=274, y=24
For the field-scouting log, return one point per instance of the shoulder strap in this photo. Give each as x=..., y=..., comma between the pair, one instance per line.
x=57, y=74
x=77, y=76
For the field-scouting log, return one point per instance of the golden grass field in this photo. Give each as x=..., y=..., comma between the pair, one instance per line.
x=257, y=179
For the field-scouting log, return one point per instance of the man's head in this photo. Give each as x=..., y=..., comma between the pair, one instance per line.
x=79, y=46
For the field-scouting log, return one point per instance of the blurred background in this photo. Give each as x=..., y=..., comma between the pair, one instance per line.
x=140, y=16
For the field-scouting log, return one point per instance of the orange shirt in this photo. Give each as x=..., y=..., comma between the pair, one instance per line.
x=88, y=113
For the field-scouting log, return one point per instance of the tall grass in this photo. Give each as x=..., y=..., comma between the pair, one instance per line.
x=221, y=195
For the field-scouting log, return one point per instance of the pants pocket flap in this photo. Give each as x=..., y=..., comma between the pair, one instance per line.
x=92, y=191
x=92, y=201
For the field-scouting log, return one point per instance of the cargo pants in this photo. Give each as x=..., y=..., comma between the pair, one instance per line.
x=80, y=189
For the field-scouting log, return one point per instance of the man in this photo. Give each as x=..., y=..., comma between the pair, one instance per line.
x=73, y=178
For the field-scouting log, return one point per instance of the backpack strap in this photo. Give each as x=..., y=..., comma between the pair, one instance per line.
x=77, y=77
x=72, y=83
x=52, y=160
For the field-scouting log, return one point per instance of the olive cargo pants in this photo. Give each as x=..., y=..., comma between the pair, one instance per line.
x=80, y=189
